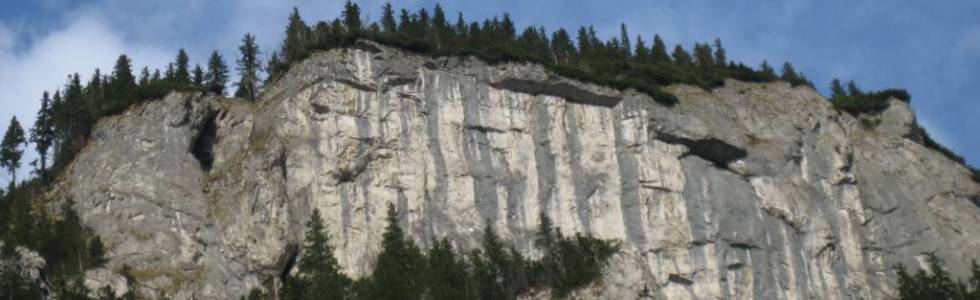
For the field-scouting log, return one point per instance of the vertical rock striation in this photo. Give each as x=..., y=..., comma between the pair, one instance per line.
x=747, y=191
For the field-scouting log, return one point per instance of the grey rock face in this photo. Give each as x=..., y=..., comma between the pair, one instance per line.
x=748, y=191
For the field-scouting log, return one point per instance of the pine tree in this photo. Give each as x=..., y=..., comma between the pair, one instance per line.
x=720, y=57
x=42, y=135
x=561, y=47
x=352, y=17
x=836, y=90
x=170, y=76
x=182, y=75
x=624, y=40
x=198, y=77
x=398, y=264
x=217, y=75
x=702, y=56
x=852, y=89
x=681, y=57
x=10, y=149
x=122, y=87
x=440, y=28
x=294, y=48
x=388, y=19
x=659, y=50
x=489, y=264
x=641, y=54
x=276, y=67
x=144, y=79
x=768, y=74
x=319, y=271
x=249, y=67
x=447, y=275
x=789, y=74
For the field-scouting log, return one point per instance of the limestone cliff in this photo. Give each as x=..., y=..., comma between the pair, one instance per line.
x=747, y=191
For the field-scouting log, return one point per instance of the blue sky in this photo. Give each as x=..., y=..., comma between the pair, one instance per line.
x=931, y=50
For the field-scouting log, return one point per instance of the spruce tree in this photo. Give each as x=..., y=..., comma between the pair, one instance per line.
x=396, y=272
x=294, y=48
x=641, y=54
x=217, y=75
x=10, y=149
x=561, y=47
x=836, y=90
x=182, y=75
x=659, y=51
x=446, y=275
x=198, y=77
x=144, y=79
x=249, y=67
x=624, y=40
x=42, y=135
x=853, y=90
x=720, y=57
x=681, y=57
x=352, y=17
x=789, y=74
x=440, y=28
x=766, y=71
x=319, y=271
x=122, y=87
x=388, y=19
x=702, y=56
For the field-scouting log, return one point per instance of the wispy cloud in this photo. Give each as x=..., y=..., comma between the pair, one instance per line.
x=84, y=44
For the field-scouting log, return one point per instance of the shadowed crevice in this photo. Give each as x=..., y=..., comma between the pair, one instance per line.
x=567, y=91
x=202, y=147
x=714, y=150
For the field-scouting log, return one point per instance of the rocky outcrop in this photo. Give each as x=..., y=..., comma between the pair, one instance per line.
x=747, y=191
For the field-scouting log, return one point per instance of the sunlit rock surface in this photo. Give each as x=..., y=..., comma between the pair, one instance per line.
x=748, y=191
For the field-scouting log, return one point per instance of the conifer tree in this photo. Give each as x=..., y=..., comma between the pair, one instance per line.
x=398, y=264
x=42, y=135
x=447, y=275
x=182, y=75
x=836, y=90
x=169, y=75
x=561, y=47
x=702, y=56
x=144, y=79
x=388, y=19
x=641, y=54
x=440, y=28
x=659, y=50
x=352, y=17
x=249, y=68
x=122, y=87
x=767, y=71
x=198, y=77
x=720, y=58
x=10, y=149
x=789, y=74
x=319, y=271
x=217, y=75
x=681, y=57
x=294, y=47
x=624, y=40
x=852, y=89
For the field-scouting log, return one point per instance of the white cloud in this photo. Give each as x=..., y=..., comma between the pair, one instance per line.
x=84, y=44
